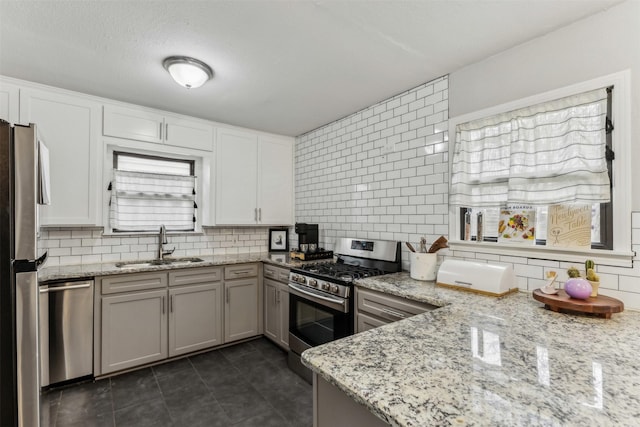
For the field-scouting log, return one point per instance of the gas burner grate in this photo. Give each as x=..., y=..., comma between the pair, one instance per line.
x=345, y=272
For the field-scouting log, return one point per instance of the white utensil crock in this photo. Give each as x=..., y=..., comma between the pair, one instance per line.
x=423, y=265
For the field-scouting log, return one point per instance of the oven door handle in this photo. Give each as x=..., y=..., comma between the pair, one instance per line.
x=320, y=299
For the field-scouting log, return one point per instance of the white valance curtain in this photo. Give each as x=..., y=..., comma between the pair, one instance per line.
x=546, y=154
x=143, y=201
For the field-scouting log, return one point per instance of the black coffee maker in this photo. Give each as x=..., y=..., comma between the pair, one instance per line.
x=307, y=237
x=308, y=248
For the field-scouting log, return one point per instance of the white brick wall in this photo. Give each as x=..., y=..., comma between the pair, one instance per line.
x=382, y=173
x=69, y=246
x=377, y=173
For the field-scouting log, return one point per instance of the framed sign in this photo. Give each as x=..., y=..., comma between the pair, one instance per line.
x=278, y=240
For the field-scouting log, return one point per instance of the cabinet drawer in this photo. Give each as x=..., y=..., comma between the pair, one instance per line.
x=276, y=273
x=195, y=275
x=133, y=282
x=364, y=322
x=389, y=307
x=240, y=271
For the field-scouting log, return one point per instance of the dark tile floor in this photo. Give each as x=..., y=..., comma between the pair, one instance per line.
x=247, y=384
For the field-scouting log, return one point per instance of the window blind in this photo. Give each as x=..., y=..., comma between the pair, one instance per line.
x=545, y=154
x=143, y=201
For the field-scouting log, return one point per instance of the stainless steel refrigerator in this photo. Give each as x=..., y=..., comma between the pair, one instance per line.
x=23, y=184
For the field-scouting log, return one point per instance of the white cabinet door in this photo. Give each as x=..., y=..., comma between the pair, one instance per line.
x=241, y=309
x=70, y=127
x=188, y=133
x=236, y=178
x=131, y=123
x=134, y=329
x=9, y=102
x=195, y=317
x=275, y=183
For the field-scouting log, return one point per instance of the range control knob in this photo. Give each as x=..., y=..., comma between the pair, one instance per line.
x=325, y=286
x=300, y=279
x=334, y=289
x=313, y=282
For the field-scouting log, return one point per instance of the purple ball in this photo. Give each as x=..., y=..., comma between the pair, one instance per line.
x=578, y=288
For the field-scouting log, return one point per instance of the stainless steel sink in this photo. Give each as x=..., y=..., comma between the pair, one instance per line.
x=156, y=262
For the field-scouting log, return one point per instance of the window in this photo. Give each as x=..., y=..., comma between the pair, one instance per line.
x=539, y=153
x=150, y=191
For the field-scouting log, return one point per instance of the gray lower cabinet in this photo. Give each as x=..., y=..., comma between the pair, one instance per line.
x=147, y=317
x=242, y=313
x=276, y=305
x=195, y=310
x=134, y=329
x=375, y=309
x=334, y=408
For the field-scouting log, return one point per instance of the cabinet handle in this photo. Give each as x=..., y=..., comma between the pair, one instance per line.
x=255, y=214
x=259, y=214
x=171, y=304
x=163, y=305
x=241, y=272
x=160, y=131
x=393, y=313
x=166, y=132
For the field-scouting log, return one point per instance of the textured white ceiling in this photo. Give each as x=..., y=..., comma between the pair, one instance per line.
x=280, y=66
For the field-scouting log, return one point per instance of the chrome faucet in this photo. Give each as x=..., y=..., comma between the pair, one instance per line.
x=162, y=240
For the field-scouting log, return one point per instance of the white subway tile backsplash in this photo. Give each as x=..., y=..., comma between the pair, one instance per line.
x=88, y=245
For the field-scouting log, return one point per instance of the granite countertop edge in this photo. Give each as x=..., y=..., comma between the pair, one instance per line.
x=85, y=271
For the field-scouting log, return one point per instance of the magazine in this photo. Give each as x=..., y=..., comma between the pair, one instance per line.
x=517, y=224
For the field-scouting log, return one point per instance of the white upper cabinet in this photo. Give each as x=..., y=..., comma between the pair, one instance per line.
x=131, y=123
x=9, y=102
x=254, y=179
x=143, y=125
x=275, y=180
x=236, y=174
x=188, y=133
x=70, y=127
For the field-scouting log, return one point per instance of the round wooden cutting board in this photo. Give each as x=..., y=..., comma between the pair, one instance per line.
x=601, y=305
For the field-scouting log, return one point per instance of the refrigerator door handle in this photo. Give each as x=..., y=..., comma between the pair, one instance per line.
x=28, y=265
x=42, y=259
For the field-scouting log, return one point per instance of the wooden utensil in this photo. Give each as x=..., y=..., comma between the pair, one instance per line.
x=410, y=246
x=440, y=243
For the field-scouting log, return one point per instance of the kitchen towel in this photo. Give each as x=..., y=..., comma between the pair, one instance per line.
x=44, y=185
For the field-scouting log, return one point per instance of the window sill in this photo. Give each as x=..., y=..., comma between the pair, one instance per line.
x=600, y=257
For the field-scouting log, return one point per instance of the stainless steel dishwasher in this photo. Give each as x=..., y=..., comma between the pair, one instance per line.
x=66, y=331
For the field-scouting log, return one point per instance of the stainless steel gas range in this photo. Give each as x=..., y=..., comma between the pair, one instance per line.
x=321, y=294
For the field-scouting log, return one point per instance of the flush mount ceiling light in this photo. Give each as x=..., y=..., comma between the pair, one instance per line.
x=188, y=72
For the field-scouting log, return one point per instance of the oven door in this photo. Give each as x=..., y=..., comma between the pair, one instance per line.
x=317, y=318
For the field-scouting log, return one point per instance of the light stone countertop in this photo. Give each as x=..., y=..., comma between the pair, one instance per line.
x=479, y=361
x=68, y=272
